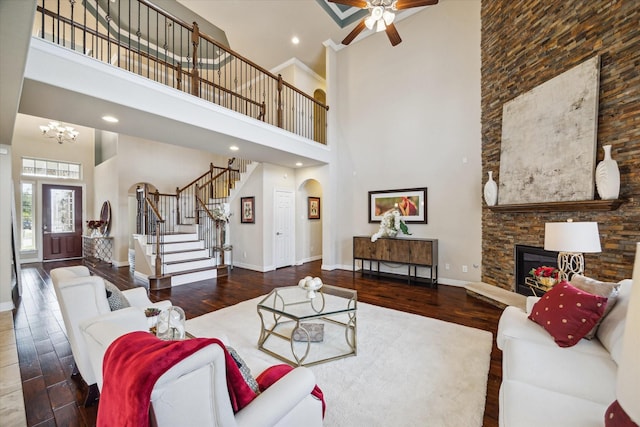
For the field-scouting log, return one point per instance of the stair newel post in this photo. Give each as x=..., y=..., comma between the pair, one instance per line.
x=211, y=191
x=158, y=257
x=140, y=212
x=196, y=208
x=195, y=41
x=280, y=109
x=178, y=205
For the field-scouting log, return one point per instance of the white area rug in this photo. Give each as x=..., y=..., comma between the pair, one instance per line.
x=410, y=370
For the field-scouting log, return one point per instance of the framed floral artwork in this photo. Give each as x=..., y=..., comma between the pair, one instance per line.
x=313, y=207
x=247, y=209
x=412, y=203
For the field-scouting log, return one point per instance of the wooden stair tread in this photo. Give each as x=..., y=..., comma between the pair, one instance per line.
x=183, y=261
x=184, y=251
x=180, y=273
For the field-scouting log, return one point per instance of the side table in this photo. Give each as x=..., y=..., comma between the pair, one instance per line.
x=96, y=249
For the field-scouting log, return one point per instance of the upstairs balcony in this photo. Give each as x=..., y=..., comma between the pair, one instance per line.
x=137, y=36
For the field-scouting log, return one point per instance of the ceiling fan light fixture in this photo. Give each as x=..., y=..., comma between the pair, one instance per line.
x=381, y=26
x=388, y=17
x=369, y=22
x=377, y=12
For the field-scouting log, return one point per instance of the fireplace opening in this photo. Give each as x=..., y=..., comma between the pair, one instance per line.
x=527, y=258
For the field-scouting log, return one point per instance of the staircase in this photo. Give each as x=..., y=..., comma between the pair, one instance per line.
x=181, y=238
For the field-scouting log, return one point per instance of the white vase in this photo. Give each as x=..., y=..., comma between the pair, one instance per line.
x=491, y=191
x=608, y=176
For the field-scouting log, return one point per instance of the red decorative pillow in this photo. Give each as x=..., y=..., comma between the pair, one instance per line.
x=617, y=417
x=568, y=313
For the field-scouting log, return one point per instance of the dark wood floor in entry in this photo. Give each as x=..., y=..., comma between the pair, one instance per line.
x=52, y=397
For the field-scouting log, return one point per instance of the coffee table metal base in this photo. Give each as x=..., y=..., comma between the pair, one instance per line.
x=277, y=324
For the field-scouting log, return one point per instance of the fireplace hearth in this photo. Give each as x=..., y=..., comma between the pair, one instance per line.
x=527, y=258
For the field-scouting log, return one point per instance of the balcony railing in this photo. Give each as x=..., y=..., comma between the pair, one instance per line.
x=140, y=37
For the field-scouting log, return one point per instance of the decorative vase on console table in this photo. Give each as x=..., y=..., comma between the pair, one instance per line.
x=491, y=191
x=608, y=176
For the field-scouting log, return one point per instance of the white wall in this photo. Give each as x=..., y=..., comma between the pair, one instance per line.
x=6, y=255
x=247, y=239
x=409, y=116
x=138, y=160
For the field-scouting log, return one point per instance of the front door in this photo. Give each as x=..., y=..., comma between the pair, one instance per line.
x=61, y=222
x=284, y=229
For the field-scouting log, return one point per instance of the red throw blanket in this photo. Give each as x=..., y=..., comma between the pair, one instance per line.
x=132, y=365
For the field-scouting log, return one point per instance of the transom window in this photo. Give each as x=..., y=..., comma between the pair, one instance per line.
x=50, y=168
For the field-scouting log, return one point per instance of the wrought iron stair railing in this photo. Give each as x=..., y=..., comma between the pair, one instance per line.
x=140, y=37
x=198, y=202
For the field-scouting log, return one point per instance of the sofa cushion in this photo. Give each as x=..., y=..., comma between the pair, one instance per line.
x=514, y=324
x=524, y=405
x=568, y=313
x=115, y=297
x=605, y=289
x=583, y=375
x=611, y=328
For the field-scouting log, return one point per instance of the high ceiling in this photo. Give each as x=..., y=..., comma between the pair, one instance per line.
x=261, y=30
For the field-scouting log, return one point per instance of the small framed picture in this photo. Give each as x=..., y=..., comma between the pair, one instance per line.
x=314, y=207
x=247, y=209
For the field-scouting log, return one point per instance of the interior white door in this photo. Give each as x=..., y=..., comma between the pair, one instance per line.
x=284, y=228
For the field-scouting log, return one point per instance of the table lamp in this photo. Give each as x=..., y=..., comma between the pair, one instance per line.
x=571, y=239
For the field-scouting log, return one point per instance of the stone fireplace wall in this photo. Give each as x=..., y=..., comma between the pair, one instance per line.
x=527, y=42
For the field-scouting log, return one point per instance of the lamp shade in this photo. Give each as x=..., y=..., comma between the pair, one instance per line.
x=579, y=237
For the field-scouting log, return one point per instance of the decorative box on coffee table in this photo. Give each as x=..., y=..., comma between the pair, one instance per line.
x=306, y=331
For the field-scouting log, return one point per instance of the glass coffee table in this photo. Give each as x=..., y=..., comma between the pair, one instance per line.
x=305, y=331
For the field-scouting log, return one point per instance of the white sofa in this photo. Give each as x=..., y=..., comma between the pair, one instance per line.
x=547, y=385
x=82, y=296
x=195, y=389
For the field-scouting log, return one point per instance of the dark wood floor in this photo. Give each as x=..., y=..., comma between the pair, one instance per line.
x=52, y=398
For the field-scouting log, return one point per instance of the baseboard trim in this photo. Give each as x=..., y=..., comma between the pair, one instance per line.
x=6, y=306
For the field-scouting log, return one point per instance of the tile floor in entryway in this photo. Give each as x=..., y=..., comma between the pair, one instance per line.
x=12, y=411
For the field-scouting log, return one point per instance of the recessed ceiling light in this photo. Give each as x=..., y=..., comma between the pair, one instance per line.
x=298, y=163
x=295, y=40
x=110, y=119
x=234, y=148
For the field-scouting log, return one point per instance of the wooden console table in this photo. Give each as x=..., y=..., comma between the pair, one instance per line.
x=412, y=252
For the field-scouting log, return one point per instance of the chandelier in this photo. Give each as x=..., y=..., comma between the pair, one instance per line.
x=59, y=132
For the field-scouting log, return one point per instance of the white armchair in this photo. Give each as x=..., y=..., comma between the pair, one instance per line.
x=195, y=389
x=82, y=296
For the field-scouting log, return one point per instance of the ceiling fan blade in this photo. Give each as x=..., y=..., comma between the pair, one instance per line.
x=353, y=3
x=406, y=4
x=354, y=33
x=393, y=35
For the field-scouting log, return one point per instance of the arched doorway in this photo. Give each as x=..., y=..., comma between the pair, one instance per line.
x=309, y=224
x=135, y=221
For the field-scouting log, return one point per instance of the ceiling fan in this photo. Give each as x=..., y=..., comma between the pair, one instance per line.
x=381, y=17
